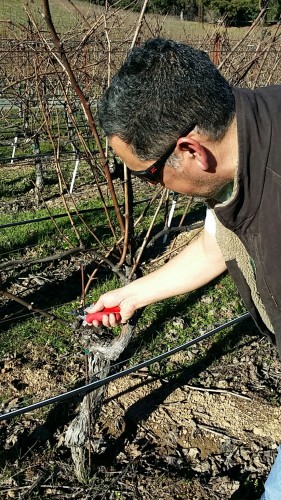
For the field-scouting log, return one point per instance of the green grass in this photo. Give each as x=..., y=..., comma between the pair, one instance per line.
x=47, y=236
x=17, y=190
x=43, y=332
x=15, y=181
x=38, y=332
x=64, y=15
x=173, y=322
x=67, y=18
x=18, y=183
x=162, y=326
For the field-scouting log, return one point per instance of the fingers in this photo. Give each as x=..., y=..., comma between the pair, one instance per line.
x=107, y=320
x=115, y=298
x=99, y=314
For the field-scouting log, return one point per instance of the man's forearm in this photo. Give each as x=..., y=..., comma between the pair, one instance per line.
x=194, y=267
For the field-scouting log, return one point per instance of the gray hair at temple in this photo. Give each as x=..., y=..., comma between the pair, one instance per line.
x=162, y=88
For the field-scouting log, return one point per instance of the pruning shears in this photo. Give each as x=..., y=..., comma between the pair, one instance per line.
x=90, y=317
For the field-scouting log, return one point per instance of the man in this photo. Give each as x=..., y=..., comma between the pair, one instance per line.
x=174, y=120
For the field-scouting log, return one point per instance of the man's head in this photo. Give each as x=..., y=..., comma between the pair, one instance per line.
x=163, y=89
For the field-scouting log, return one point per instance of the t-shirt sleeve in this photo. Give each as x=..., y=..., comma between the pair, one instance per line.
x=210, y=222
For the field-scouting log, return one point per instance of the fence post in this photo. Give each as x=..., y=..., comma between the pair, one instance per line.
x=14, y=144
x=39, y=177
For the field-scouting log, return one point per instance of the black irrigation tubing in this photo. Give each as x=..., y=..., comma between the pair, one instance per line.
x=99, y=383
x=16, y=318
x=48, y=217
x=57, y=216
x=33, y=313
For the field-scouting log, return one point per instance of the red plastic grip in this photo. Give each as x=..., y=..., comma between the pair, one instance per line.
x=89, y=318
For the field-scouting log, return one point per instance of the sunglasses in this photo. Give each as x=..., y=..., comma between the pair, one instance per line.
x=151, y=174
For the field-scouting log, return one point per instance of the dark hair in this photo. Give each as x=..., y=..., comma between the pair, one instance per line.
x=162, y=88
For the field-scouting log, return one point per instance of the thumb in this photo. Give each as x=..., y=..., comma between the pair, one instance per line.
x=96, y=306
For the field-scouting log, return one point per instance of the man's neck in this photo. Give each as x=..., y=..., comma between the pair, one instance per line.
x=227, y=152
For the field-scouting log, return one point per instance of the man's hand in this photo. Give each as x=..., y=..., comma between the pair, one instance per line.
x=114, y=298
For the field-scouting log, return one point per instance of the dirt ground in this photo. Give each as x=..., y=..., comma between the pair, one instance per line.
x=211, y=432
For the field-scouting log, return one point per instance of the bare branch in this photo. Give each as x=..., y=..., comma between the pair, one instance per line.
x=33, y=309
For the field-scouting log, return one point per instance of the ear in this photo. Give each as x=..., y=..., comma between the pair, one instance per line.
x=195, y=149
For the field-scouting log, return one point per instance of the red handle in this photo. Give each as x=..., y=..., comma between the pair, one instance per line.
x=89, y=318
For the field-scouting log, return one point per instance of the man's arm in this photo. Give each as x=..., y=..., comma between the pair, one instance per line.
x=199, y=263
